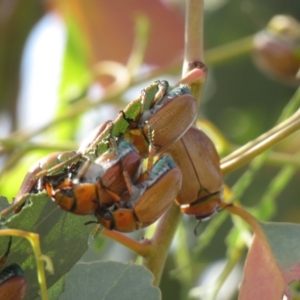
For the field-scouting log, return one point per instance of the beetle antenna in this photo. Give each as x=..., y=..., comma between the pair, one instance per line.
x=82, y=169
x=162, y=91
x=126, y=177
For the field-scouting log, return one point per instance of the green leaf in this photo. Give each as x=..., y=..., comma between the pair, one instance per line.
x=109, y=280
x=63, y=238
x=3, y=203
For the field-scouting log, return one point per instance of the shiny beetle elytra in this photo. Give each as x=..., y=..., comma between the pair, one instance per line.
x=116, y=205
x=202, y=181
x=152, y=118
x=101, y=182
x=160, y=125
x=57, y=167
x=148, y=202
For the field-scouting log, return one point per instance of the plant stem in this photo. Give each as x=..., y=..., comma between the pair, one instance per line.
x=242, y=213
x=229, y=51
x=262, y=143
x=167, y=225
x=193, y=50
x=140, y=248
x=34, y=240
x=234, y=258
x=161, y=242
x=290, y=114
x=10, y=144
x=280, y=159
x=262, y=137
x=112, y=92
x=213, y=57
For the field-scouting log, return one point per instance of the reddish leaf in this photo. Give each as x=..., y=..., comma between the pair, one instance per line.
x=272, y=262
x=262, y=278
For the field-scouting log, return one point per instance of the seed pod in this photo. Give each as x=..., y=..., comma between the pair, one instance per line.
x=276, y=49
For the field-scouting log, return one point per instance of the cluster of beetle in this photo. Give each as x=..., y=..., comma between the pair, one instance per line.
x=105, y=176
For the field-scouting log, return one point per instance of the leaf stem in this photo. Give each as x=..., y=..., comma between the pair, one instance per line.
x=246, y=153
x=34, y=240
x=242, y=213
x=229, y=51
x=168, y=223
x=142, y=248
x=290, y=113
x=213, y=57
x=161, y=242
x=193, y=50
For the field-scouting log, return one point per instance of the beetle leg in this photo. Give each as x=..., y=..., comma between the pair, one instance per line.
x=115, y=196
x=59, y=166
x=151, y=147
x=93, y=139
x=82, y=170
x=162, y=91
x=127, y=180
x=143, y=101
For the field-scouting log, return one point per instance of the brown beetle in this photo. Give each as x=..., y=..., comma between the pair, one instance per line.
x=202, y=181
x=149, y=200
x=150, y=120
x=34, y=184
x=99, y=183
